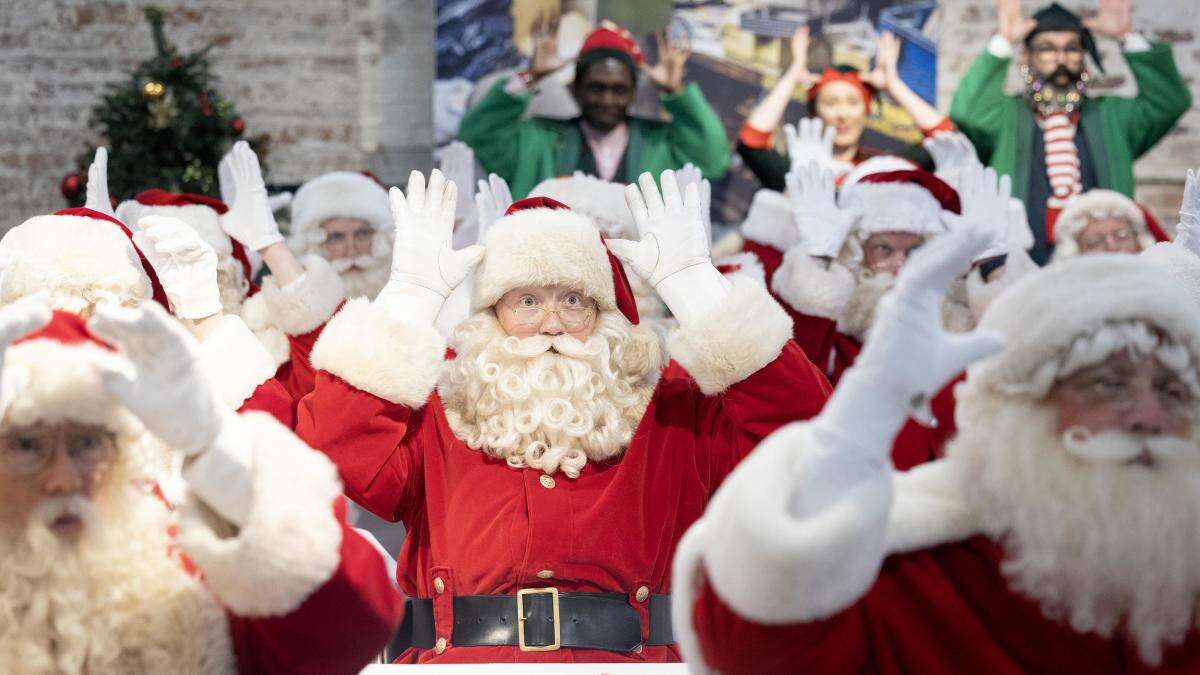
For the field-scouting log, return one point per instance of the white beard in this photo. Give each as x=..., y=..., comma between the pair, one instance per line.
x=363, y=276
x=859, y=313
x=550, y=403
x=117, y=601
x=232, y=284
x=1101, y=545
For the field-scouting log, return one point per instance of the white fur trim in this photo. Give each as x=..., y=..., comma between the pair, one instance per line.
x=748, y=265
x=291, y=543
x=257, y=316
x=769, y=221
x=1096, y=204
x=340, y=194
x=376, y=352
x=1179, y=263
x=235, y=362
x=730, y=244
x=600, y=200
x=685, y=586
x=894, y=207
x=812, y=289
x=929, y=509
x=718, y=350
x=306, y=303
x=201, y=218
x=876, y=164
x=980, y=294
x=72, y=258
x=543, y=247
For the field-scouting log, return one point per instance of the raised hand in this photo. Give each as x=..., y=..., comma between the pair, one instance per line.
x=166, y=389
x=811, y=141
x=491, y=202
x=823, y=226
x=458, y=166
x=249, y=220
x=544, y=34
x=952, y=153
x=671, y=228
x=423, y=255
x=1013, y=25
x=185, y=263
x=1114, y=20
x=886, y=72
x=673, y=54
x=1187, y=234
x=985, y=198
x=799, y=66
x=690, y=174
x=97, y=184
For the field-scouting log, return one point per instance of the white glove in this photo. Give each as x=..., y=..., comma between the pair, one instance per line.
x=822, y=224
x=279, y=200
x=491, y=202
x=673, y=253
x=1187, y=234
x=250, y=219
x=97, y=185
x=984, y=198
x=16, y=321
x=458, y=166
x=907, y=358
x=952, y=154
x=425, y=266
x=185, y=264
x=167, y=390
x=690, y=174
x=811, y=141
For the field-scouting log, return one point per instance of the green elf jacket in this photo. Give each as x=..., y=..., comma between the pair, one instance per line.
x=526, y=151
x=1118, y=130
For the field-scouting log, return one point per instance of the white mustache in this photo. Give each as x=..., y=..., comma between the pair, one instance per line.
x=52, y=508
x=365, y=262
x=1119, y=447
x=562, y=344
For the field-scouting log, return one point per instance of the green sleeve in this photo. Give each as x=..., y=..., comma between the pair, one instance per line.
x=696, y=134
x=768, y=166
x=1163, y=97
x=980, y=107
x=494, y=127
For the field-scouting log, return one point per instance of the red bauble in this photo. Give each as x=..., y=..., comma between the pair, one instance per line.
x=176, y=62
x=238, y=124
x=71, y=186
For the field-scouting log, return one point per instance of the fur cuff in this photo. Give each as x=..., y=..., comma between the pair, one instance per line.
x=719, y=351
x=291, y=543
x=1179, y=263
x=810, y=288
x=235, y=361
x=929, y=509
x=774, y=568
x=306, y=303
x=376, y=352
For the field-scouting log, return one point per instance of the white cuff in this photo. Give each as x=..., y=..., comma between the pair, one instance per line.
x=222, y=476
x=693, y=292
x=196, y=302
x=410, y=302
x=999, y=47
x=235, y=362
x=1135, y=42
x=304, y=304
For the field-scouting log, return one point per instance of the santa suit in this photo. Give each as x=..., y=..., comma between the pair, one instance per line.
x=477, y=527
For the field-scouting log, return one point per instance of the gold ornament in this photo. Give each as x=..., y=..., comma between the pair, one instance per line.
x=163, y=111
x=152, y=91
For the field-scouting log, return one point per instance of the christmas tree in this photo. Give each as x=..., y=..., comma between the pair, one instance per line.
x=166, y=126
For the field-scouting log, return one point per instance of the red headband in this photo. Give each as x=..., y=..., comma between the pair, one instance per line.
x=849, y=77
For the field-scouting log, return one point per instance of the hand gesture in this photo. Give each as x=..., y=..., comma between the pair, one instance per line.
x=689, y=175
x=1188, y=232
x=249, y=220
x=952, y=154
x=458, y=166
x=491, y=202
x=422, y=254
x=544, y=34
x=673, y=53
x=166, y=389
x=811, y=141
x=185, y=263
x=799, y=66
x=886, y=72
x=822, y=224
x=1114, y=20
x=671, y=228
x=17, y=320
x=97, y=185
x=1013, y=25
x=984, y=197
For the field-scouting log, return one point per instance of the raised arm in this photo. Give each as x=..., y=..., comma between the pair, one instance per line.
x=696, y=133
x=886, y=76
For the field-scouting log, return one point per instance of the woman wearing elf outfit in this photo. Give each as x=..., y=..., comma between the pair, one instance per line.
x=545, y=473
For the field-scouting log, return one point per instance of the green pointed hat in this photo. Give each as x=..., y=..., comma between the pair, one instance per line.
x=1055, y=17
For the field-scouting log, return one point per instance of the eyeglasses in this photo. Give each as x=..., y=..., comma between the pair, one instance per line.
x=1120, y=391
x=573, y=311
x=23, y=454
x=1117, y=237
x=1045, y=51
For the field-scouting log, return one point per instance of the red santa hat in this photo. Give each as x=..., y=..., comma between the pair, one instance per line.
x=1098, y=204
x=53, y=376
x=905, y=200
x=76, y=256
x=339, y=194
x=201, y=212
x=611, y=41
x=542, y=242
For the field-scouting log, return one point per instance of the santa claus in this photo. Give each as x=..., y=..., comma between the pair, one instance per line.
x=1104, y=221
x=1059, y=534
x=97, y=575
x=545, y=472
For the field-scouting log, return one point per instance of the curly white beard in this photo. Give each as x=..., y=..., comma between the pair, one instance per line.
x=550, y=403
x=116, y=601
x=1100, y=545
x=232, y=285
x=363, y=276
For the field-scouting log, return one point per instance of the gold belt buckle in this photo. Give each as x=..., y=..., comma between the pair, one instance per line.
x=553, y=592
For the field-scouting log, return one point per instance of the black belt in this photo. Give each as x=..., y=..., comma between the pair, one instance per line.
x=584, y=620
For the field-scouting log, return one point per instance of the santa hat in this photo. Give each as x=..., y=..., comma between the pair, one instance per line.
x=610, y=41
x=201, y=213
x=769, y=221
x=1043, y=313
x=76, y=255
x=907, y=200
x=542, y=242
x=600, y=200
x=53, y=376
x=339, y=194
x=846, y=74
x=1097, y=204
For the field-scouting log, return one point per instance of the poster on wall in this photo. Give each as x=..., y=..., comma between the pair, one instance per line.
x=739, y=50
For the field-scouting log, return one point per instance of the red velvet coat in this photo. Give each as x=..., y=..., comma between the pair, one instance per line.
x=945, y=609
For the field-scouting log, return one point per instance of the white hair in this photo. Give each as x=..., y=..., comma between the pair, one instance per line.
x=550, y=403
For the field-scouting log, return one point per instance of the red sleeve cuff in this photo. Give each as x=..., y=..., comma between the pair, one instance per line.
x=944, y=125
x=753, y=138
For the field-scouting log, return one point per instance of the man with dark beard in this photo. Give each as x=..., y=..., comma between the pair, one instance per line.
x=1054, y=140
x=257, y=571
x=546, y=480
x=1059, y=534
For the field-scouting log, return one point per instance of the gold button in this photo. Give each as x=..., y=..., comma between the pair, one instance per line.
x=637, y=649
x=642, y=593
x=438, y=584
x=440, y=645
x=546, y=574
x=547, y=481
